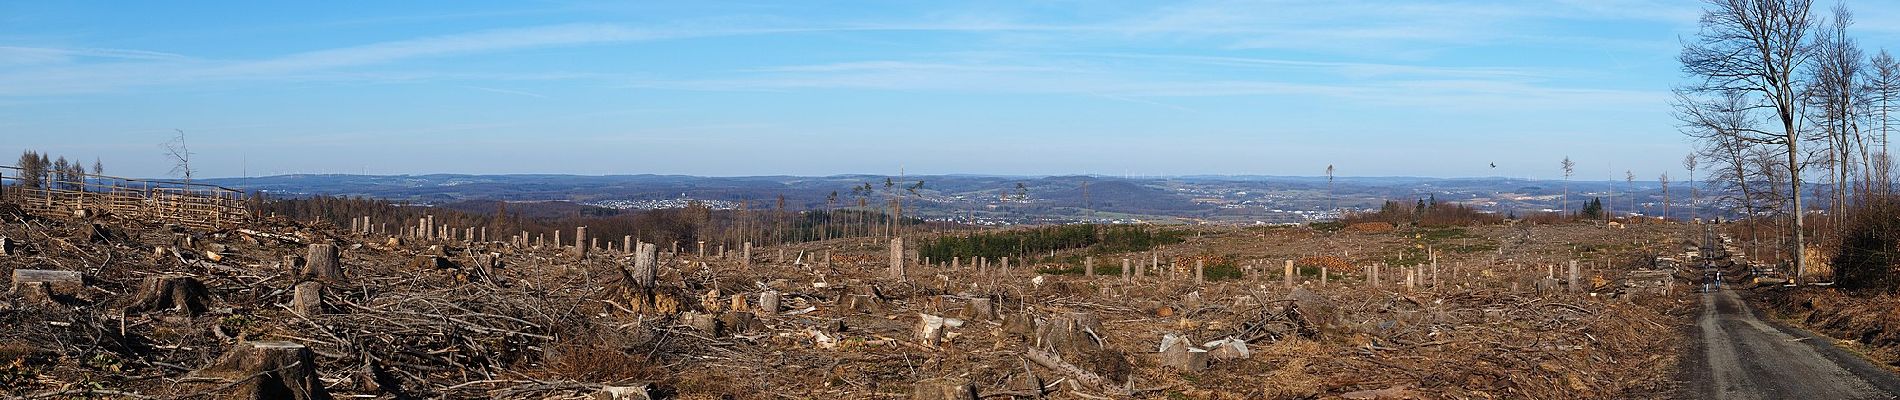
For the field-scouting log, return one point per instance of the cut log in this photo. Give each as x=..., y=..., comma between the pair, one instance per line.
x=170, y=293
x=943, y=389
x=267, y=370
x=281, y=238
x=7, y=246
x=63, y=283
x=307, y=298
x=323, y=263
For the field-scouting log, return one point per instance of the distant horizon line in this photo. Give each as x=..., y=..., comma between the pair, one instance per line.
x=844, y=175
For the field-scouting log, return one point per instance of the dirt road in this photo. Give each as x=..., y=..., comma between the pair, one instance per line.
x=1741, y=356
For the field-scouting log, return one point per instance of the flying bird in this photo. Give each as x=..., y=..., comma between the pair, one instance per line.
x=1494, y=165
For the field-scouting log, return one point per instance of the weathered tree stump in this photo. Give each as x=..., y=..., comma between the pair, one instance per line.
x=635, y=392
x=268, y=370
x=897, y=258
x=1228, y=349
x=1020, y=325
x=943, y=389
x=1075, y=333
x=1175, y=353
x=768, y=302
x=645, y=266
x=1313, y=312
x=705, y=323
x=170, y=292
x=35, y=293
x=738, y=321
x=324, y=263
x=307, y=298
x=580, y=243
x=980, y=309
x=932, y=329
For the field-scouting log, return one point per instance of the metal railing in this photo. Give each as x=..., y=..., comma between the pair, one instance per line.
x=194, y=205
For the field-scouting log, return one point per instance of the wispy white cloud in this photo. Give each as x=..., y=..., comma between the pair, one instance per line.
x=508, y=92
x=1426, y=87
x=1362, y=28
x=17, y=55
x=448, y=45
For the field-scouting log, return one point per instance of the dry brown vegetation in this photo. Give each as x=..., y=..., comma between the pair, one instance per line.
x=460, y=319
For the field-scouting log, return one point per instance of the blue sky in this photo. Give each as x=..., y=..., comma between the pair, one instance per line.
x=814, y=88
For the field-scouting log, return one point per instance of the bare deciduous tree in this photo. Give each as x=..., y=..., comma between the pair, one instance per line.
x=180, y=155
x=1629, y=185
x=1754, y=48
x=1570, y=167
x=1664, y=180
x=1882, y=87
x=1329, y=187
x=1689, y=162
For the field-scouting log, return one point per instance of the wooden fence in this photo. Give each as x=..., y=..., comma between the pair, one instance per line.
x=194, y=205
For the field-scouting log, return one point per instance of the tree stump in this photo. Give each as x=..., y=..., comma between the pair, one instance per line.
x=738, y=321
x=307, y=298
x=943, y=389
x=636, y=392
x=980, y=309
x=705, y=323
x=932, y=329
x=35, y=293
x=1074, y=333
x=580, y=243
x=324, y=263
x=268, y=370
x=897, y=258
x=1313, y=312
x=165, y=293
x=645, y=270
x=768, y=302
x=1175, y=353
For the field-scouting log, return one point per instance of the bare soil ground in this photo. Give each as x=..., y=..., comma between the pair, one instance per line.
x=490, y=320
